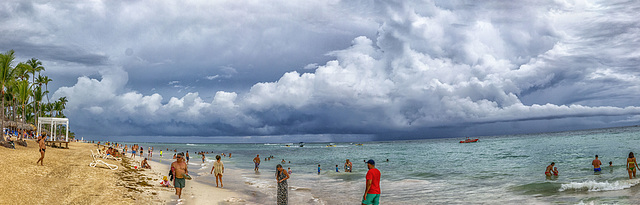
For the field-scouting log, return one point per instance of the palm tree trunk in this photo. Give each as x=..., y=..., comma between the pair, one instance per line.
x=2, y=123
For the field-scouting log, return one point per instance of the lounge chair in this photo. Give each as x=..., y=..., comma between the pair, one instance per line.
x=106, y=156
x=112, y=157
x=98, y=161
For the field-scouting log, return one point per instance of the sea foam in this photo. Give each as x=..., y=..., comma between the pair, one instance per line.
x=599, y=186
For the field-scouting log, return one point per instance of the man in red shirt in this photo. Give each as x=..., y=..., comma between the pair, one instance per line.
x=372, y=193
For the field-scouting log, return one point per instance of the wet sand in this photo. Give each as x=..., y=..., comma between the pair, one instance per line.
x=195, y=192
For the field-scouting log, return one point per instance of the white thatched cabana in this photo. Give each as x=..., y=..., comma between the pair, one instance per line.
x=53, y=121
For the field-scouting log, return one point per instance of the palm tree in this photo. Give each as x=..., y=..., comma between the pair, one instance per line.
x=22, y=70
x=36, y=66
x=45, y=80
x=61, y=104
x=37, y=98
x=6, y=75
x=23, y=94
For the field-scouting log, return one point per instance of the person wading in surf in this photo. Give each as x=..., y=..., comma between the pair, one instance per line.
x=549, y=169
x=596, y=164
x=632, y=165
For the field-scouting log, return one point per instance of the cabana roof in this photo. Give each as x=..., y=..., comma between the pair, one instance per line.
x=53, y=121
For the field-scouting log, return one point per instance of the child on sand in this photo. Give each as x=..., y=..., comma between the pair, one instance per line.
x=165, y=182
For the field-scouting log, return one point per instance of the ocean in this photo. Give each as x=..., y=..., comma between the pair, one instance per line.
x=494, y=170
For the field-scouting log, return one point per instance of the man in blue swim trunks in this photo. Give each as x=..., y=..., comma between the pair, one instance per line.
x=256, y=161
x=596, y=164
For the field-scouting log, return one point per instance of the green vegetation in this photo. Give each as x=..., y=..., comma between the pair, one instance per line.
x=22, y=92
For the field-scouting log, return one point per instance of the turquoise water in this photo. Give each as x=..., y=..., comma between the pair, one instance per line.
x=501, y=169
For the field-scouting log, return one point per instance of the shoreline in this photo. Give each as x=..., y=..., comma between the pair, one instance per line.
x=196, y=191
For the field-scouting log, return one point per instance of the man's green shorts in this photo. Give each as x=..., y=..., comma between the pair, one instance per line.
x=372, y=199
x=178, y=183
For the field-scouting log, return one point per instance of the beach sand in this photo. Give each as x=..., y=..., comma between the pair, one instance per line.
x=195, y=191
x=67, y=178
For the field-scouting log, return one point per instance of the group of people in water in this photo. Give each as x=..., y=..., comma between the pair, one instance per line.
x=631, y=165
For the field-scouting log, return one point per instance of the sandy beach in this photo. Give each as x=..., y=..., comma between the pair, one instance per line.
x=67, y=178
x=195, y=191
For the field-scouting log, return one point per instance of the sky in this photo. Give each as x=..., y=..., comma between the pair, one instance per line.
x=356, y=70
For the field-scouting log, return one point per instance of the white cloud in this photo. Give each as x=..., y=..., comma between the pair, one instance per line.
x=212, y=77
x=431, y=66
x=311, y=66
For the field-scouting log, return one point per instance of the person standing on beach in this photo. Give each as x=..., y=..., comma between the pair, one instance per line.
x=319, y=169
x=632, y=165
x=133, y=151
x=43, y=147
x=187, y=156
x=203, y=157
x=372, y=192
x=549, y=169
x=283, y=187
x=141, y=151
x=218, y=168
x=256, y=161
x=596, y=164
x=347, y=166
x=179, y=169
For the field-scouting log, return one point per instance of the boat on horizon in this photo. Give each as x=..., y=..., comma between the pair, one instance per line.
x=469, y=140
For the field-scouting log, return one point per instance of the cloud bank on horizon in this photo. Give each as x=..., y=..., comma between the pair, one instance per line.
x=388, y=69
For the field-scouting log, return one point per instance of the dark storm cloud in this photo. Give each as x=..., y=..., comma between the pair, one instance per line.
x=378, y=69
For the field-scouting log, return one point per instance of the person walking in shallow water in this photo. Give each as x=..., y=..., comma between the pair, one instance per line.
x=256, y=161
x=372, y=192
x=632, y=165
x=179, y=171
x=283, y=187
x=218, y=168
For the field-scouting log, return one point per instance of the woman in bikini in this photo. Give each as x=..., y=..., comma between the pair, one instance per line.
x=632, y=165
x=549, y=169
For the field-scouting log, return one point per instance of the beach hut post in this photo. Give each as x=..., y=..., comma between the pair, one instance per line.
x=53, y=121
